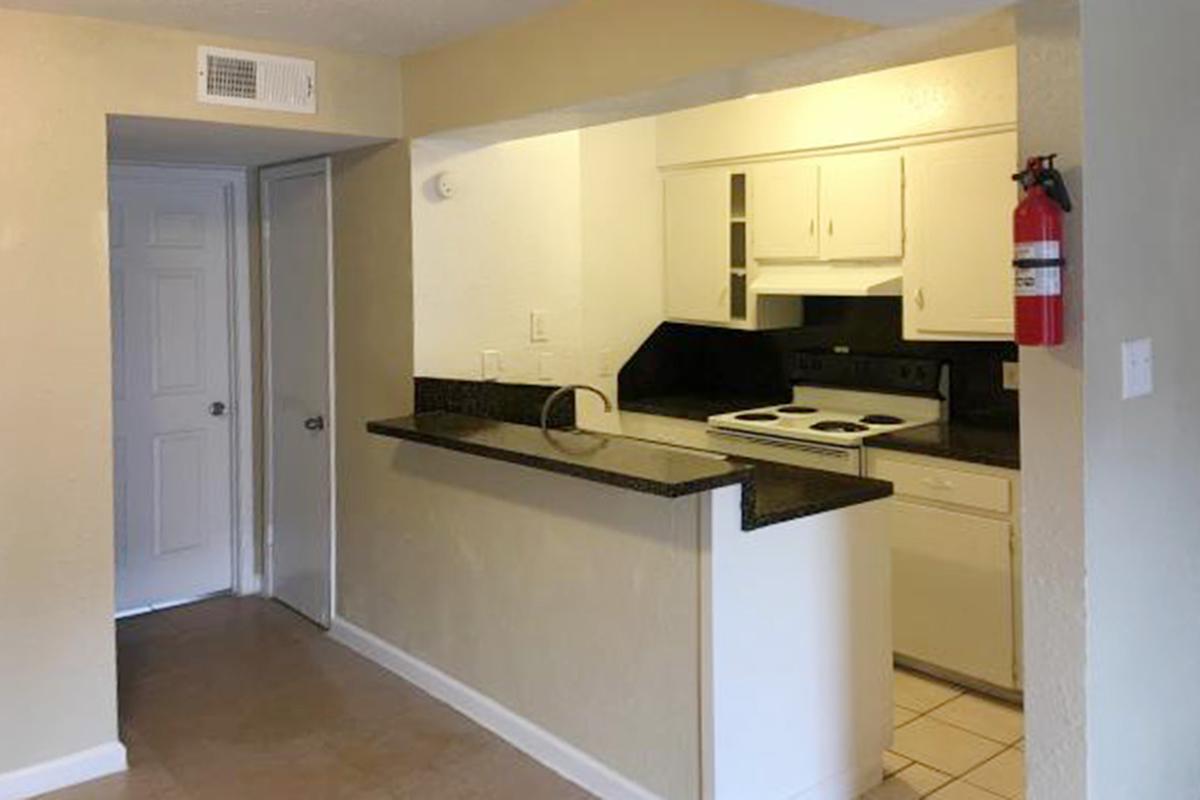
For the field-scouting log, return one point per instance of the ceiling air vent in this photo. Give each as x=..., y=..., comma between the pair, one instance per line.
x=255, y=80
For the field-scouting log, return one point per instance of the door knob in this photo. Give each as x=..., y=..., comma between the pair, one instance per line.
x=316, y=423
x=216, y=409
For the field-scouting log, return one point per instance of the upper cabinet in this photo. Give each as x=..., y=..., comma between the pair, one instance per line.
x=787, y=205
x=842, y=208
x=861, y=207
x=696, y=237
x=958, y=271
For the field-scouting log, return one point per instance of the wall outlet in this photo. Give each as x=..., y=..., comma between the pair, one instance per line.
x=545, y=366
x=604, y=367
x=538, y=332
x=1137, y=368
x=1012, y=375
x=490, y=366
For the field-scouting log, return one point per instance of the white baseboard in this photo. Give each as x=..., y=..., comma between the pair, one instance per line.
x=86, y=765
x=536, y=742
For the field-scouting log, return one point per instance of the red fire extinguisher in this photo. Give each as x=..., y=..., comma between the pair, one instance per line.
x=1038, y=255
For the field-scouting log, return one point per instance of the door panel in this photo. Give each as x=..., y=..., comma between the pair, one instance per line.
x=170, y=256
x=952, y=590
x=696, y=239
x=786, y=211
x=861, y=207
x=295, y=212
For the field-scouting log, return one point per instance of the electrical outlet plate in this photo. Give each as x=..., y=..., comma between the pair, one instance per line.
x=490, y=364
x=1012, y=375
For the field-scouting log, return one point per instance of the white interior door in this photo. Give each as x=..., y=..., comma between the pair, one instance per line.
x=171, y=258
x=296, y=262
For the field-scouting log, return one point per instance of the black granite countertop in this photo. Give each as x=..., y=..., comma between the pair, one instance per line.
x=997, y=446
x=771, y=493
x=698, y=407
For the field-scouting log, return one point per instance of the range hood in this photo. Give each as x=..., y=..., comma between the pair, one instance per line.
x=848, y=280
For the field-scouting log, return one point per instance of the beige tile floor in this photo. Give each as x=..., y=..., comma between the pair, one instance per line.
x=951, y=744
x=241, y=698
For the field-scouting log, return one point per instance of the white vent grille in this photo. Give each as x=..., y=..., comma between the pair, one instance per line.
x=255, y=80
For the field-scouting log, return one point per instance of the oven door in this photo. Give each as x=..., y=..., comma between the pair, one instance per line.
x=829, y=457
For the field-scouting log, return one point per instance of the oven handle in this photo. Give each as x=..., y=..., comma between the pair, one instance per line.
x=826, y=451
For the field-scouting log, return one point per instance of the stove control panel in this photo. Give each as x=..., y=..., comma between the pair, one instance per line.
x=879, y=373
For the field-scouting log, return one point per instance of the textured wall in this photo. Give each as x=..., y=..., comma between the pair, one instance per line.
x=59, y=77
x=1052, y=476
x=571, y=603
x=1141, y=240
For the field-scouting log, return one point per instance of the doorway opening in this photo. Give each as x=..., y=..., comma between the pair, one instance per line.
x=204, y=382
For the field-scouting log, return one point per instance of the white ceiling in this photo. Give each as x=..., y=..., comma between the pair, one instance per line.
x=175, y=141
x=895, y=12
x=387, y=27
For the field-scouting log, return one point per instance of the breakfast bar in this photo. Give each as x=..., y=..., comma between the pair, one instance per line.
x=658, y=621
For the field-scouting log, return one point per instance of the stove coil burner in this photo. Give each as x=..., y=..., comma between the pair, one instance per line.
x=796, y=410
x=836, y=426
x=757, y=416
x=881, y=419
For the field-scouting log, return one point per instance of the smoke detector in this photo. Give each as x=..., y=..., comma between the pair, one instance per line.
x=256, y=80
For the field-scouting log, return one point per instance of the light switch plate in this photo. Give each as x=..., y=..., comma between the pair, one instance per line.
x=537, y=327
x=490, y=364
x=1012, y=375
x=1137, y=368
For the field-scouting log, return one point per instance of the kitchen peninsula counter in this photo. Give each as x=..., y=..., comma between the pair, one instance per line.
x=771, y=493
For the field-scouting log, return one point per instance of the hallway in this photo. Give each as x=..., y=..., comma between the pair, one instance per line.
x=241, y=698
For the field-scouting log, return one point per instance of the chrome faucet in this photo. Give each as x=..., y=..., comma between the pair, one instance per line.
x=570, y=387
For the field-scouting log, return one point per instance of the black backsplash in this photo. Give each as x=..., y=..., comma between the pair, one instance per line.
x=508, y=402
x=680, y=359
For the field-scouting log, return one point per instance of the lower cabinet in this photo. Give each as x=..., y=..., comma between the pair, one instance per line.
x=955, y=585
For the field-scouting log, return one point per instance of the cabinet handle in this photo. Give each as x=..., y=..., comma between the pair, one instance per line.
x=920, y=298
x=937, y=483
x=812, y=227
x=831, y=227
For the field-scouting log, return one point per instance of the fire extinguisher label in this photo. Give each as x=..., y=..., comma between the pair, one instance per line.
x=1037, y=251
x=1038, y=282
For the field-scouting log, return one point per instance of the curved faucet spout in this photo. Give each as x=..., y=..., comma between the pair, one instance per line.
x=562, y=390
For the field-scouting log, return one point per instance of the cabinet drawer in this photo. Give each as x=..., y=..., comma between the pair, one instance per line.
x=970, y=489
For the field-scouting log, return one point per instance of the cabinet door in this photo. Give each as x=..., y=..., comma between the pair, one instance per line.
x=861, y=207
x=785, y=211
x=958, y=278
x=696, y=240
x=952, y=603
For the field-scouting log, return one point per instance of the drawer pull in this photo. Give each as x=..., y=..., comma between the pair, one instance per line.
x=937, y=483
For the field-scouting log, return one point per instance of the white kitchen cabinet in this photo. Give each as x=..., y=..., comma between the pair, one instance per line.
x=861, y=201
x=838, y=208
x=958, y=269
x=696, y=234
x=955, y=582
x=786, y=209
x=952, y=602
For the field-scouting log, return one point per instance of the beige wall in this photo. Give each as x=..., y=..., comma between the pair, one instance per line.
x=1141, y=203
x=1052, y=474
x=571, y=603
x=592, y=49
x=59, y=76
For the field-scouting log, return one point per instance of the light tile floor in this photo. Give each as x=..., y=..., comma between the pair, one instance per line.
x=951, y=744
